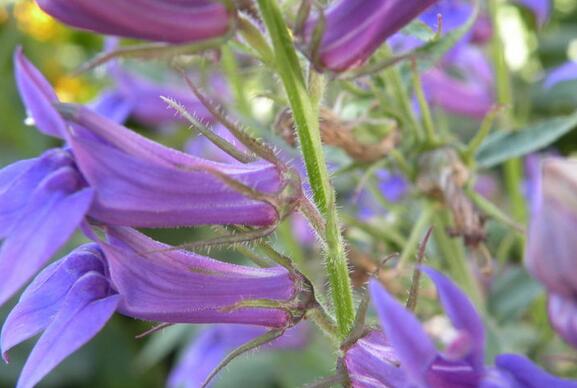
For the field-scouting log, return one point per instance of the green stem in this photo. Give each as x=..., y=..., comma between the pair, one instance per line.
x=430, y=132
x=513, y=168
x=454, y=253
x=305, y=114
x=416, y=235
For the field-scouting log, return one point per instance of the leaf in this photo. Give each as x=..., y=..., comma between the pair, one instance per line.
x=505, y=145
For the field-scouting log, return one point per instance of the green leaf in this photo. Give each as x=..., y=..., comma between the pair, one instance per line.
x=505, y=145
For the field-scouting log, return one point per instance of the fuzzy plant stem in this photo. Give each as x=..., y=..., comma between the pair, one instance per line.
x=304, y=105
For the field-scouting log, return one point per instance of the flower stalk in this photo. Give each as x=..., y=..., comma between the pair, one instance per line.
x=306, y=119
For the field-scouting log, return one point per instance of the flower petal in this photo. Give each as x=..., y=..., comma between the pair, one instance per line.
x=462, y=314
x=38, y=97
x=18, y=182
x=563, y=316
x=54, y=211
x=142, y=183
x=404, y=333
x=44, y=296
x=168, y=21
x=563, y=73
x=113, y=105
x=162, y=284
x=372, y=362
x=83, y=314
x=528, y=374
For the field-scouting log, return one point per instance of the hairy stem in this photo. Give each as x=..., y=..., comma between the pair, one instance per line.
x=305, y=112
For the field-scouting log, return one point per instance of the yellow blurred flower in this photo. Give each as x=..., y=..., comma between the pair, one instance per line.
x=73, y=89
x=35, y=22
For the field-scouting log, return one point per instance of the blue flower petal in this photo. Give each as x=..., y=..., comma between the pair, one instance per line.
x=84, y=312
x=528, y=374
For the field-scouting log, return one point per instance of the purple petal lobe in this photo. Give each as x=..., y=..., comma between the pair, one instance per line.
x=19, y=181
x=528, y=374
x=563, y=317
x=372, y=362
x=405, y=334
x=84, y=312
x=50, y=217
x=162, y=284
x=563, y=73
x=169, y=21
x=38, y=97
x=44, y=296
x=462, y=314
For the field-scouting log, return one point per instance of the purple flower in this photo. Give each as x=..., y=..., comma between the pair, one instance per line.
x=550, y=250
x=355, y=29
x=408, y=357
x=114, y=176
x=174, y=21
x=206, y=351
x=42, y=201
x=393, y=187
x=180, y=287
x=462, y=84
x=72, y=299
x=372, y=362
x=563, y=73
x=69, y=302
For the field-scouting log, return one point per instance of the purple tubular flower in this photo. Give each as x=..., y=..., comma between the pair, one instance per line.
x=180, y=287
x=563, y=73
x=41, y=200
x=355, y=29
x=550, y=251
x=173, y=21
x=207, y=350
x=141, y=183
x=70, y=301
x=461, y=364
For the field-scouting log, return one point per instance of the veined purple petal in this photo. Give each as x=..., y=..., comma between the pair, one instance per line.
x=142, y=183
x=18, y=182
x=50, y=217
x=528, y=374
x=462, y=314
x=355, y=29
x=404, y=333
x=371, y=362
x=43, y=298
x=85, y=310
x=160, y=284
x=207, y=350
x=563, y=73
x=563, y=317
x=38, y=97
x=174, y=21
